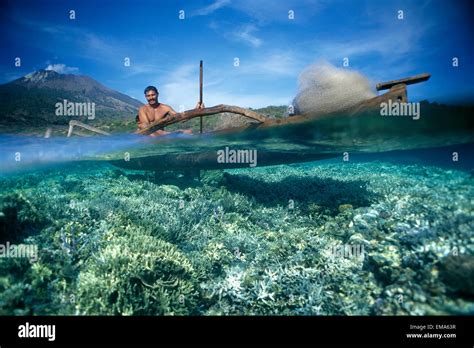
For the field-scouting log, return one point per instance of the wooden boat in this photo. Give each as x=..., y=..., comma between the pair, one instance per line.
x=397, y=93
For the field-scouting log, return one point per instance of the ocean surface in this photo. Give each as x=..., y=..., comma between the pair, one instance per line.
x=365, y=215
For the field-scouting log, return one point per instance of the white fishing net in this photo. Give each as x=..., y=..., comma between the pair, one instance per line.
x=324, y=88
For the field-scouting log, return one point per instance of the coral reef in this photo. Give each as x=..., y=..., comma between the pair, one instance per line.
x=312, y=239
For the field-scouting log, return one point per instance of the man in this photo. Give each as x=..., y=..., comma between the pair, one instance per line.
x=155, y=111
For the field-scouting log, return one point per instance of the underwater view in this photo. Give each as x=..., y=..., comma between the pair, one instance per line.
x=358, y=233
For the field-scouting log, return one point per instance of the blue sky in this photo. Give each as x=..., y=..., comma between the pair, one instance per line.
x=165, y=50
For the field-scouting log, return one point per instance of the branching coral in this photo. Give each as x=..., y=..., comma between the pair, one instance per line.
x=256, y=241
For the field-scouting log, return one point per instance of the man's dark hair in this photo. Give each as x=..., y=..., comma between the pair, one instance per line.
x=151, y=88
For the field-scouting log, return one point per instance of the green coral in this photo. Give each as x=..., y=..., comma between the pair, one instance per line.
x=120, y=243
x=137, y=275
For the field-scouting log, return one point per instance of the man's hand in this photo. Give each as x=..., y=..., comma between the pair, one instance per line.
x=200, y=105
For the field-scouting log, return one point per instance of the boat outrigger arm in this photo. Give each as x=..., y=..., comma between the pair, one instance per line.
x=73, y=123
x=397, y=93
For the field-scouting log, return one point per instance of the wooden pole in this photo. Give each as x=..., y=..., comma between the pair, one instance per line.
x=200, y=92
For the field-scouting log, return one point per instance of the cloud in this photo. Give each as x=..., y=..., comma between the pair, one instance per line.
x=388, y=49
x=266, y=11
x=245, y=34
x=183, y=90
x=284, y=63
x=62, y=68
x=210, y=8
x=145, y=69
x=86, y=44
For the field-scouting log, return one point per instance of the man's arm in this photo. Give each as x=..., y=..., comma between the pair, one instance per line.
x=171, y=111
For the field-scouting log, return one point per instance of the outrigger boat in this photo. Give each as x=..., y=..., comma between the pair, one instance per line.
x=207, y=159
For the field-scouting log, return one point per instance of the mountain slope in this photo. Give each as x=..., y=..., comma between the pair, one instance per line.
x=31, y=100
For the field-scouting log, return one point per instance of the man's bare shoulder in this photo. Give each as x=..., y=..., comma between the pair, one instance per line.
x=166, y=107
x=142, y=108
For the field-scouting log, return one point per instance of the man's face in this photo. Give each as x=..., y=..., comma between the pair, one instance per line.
x=151, y=97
